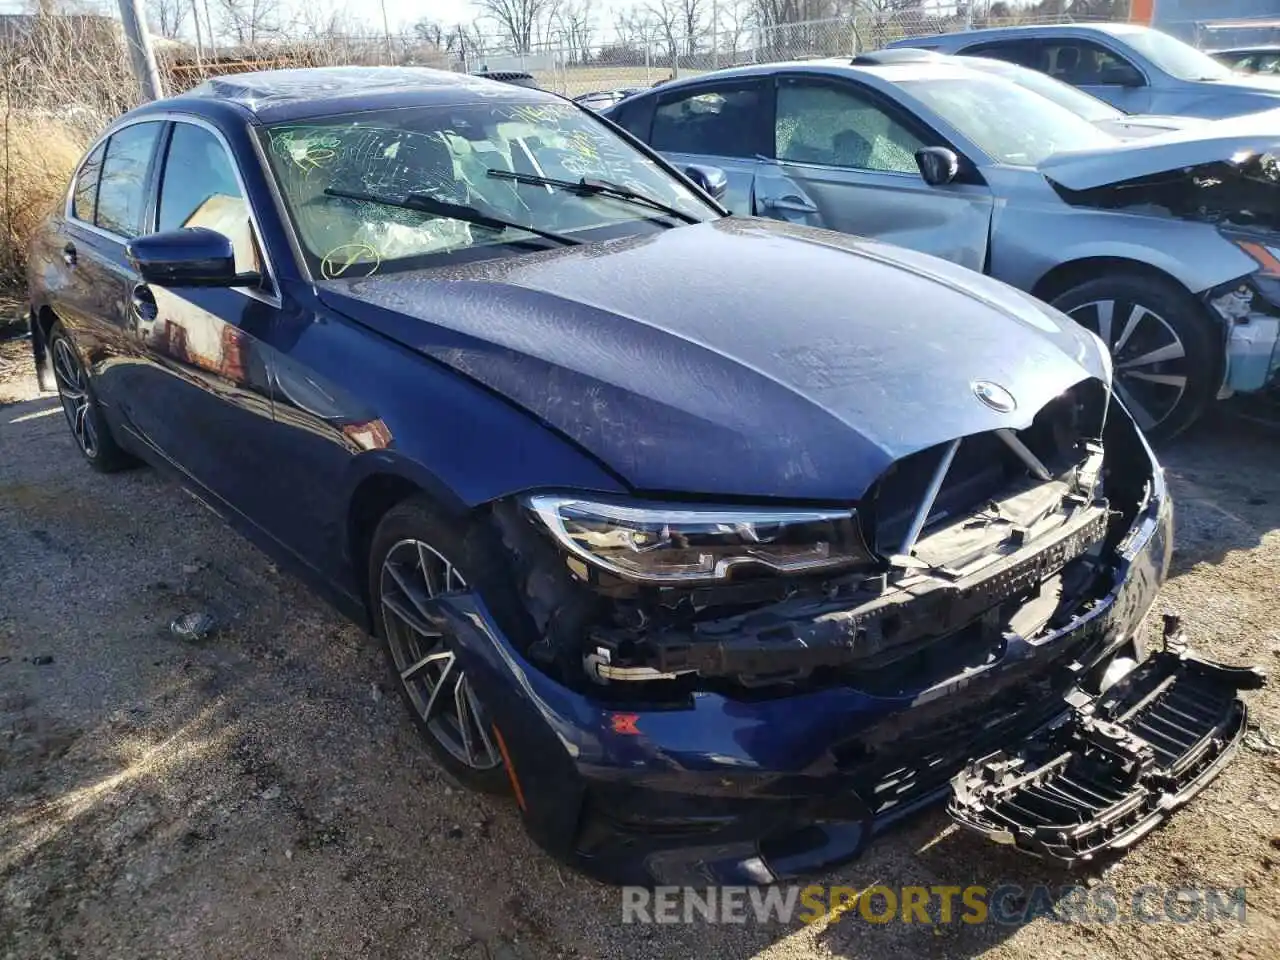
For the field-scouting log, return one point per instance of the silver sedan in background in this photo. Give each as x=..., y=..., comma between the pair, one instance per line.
x=1167, y=247
x=1136, y=68
x=1098, y=112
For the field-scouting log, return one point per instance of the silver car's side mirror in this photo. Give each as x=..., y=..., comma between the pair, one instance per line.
x=938, y=165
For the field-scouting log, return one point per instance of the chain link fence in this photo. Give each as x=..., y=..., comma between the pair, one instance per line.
x=644, y=57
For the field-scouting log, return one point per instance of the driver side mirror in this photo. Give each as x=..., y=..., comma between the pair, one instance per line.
x=938, y=165
x=712, y=180
x=190, y=257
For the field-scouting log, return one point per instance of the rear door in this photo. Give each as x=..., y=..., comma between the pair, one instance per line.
x=722, y=124
x=844, y=158
x=90, y=277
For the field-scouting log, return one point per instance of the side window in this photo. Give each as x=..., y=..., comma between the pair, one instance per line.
x=635, y=117
x=1083, y=63
x=821, y=123
x=198, y=188
x=1022, y=52
x=84, y=199
x=122, y=193
x=721, y=122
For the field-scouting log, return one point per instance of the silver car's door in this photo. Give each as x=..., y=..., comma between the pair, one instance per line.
x=1108, y=74
x=844, y=158
x=720, y=124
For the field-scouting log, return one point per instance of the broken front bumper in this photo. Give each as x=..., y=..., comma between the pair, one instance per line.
x=722, y=789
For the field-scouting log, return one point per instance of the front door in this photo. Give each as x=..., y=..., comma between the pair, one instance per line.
x=1101, y=71
x=205, y=401
x=845, y=160
x=723, y=125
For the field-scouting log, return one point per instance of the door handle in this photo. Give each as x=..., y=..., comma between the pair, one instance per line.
x=144, y=304
x=69, y=254
x=789, y=204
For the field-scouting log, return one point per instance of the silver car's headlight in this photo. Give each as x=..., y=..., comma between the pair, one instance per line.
x=659, y=543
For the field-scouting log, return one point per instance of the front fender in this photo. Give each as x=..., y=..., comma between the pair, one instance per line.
x=1029, y=244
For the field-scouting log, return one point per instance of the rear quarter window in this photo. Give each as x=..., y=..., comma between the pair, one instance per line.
x=84, y=198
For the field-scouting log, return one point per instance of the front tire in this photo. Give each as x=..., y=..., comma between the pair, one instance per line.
x=1166, y=350
x=84, y=415
x=417, y=554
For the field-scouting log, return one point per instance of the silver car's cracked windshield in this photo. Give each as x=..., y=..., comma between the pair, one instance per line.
x=388, y=159
x=1007, y=122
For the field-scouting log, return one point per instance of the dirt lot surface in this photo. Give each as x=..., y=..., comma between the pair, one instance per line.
x=262, y=793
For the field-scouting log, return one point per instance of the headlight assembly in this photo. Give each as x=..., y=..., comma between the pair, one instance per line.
x=657, y=543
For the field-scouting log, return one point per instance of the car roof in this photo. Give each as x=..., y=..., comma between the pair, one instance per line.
x=942, y=68
x=964, y=38
x=1253, y=48
x=272, y=95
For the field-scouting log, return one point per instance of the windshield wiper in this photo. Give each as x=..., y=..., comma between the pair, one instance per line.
x=591, y=187
x=425, y=203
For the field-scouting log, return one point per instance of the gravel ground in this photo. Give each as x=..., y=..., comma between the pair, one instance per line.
x=262, y=793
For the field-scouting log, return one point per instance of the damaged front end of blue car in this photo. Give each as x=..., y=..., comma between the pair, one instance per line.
x=975, y=628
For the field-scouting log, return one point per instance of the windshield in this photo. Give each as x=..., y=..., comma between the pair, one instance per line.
x=1009, y=123
x=1063, y=94
x=1175, y=57
x=446, y=153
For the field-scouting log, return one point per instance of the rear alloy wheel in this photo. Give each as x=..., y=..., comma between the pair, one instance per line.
x=1166, y=356
x=447, y=708
x=75, y=392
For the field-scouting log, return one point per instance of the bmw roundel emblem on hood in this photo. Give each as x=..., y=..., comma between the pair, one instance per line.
x=994, y=396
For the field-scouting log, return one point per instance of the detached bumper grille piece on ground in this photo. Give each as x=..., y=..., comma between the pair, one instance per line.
x=1117, y=765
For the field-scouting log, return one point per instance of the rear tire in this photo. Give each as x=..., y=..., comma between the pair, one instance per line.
x=1167, y=350
x=419, y=552
x=80, y=405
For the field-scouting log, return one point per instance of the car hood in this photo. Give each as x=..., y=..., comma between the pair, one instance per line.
x=1245, y=83
x=737, y=357
x=1146, y=125
x=1210, y=142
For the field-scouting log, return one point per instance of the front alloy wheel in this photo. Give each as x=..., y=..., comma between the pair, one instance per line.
x=1150, y=358
x=413, y=573
x=1166, y=355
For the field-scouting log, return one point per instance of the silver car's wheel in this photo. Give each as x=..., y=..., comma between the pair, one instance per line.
x=412, y=574
x=1152, y=369
x=73, y=391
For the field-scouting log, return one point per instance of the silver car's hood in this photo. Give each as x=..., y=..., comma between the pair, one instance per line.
x=1146, y=125
x=1209, y=142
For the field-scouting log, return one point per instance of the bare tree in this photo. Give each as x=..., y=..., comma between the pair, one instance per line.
x=631, y=27
x=429, y=31
x=691, y=23
x=249, y=21
x=166, y=18
x=577, y=26
x=665, y=19
x=519, y=20
x=737, y=18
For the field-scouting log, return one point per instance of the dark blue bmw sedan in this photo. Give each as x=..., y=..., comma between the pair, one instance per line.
x=720, y=544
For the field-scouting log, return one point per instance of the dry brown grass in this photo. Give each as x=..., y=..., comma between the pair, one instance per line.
x=37, y=156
